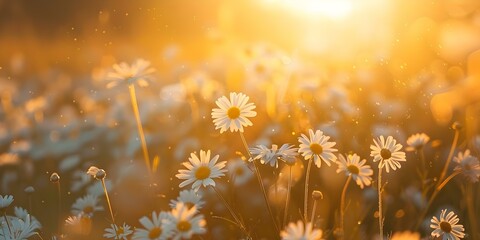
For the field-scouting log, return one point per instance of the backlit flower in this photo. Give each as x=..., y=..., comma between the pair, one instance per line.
x=352, y=165
x=117, y=232
x=387, y=152
x=447, y=227
x=155, y=229
x=86, y=205
x=299, y=231
x=271, y=156
x=469, y=165
x=185, y=222
x=201, y=171
x=417, y=141
x=318, y=147
x=239, y=171
x=233, y=113
x=188, y=197
x=139, y=72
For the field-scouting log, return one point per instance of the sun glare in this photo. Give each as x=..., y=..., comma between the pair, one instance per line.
x=333, y=9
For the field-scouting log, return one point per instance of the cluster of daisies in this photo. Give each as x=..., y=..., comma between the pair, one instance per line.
x=184, y=219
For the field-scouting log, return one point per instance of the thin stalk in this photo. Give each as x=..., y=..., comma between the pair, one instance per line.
x=380, y=210
x=108, y=201
x=450, y=155
x=59, y=193
x=423, y=172
x=136, y=112
x=342, y=204
x=307, y=179
x=8, y=223
x=260, y=181
x=471, y=210
x=441, y=181
x=40, y=236
x=313, y=211
x=287, y=201
x=240, y=224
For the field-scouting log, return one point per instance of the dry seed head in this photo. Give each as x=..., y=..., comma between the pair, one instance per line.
x=54, y=178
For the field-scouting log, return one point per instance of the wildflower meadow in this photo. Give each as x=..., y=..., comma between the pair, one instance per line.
x=269, y=119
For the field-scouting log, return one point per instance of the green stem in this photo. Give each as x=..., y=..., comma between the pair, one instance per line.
x=307, y=179
x=342, y=205
x=450, y=155
x=136, y=112
x=260, y=182
x=8, y=223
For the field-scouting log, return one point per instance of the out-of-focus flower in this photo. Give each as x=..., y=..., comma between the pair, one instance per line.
x=117, y=232
x=86, y=205
x=469, y=165
x=295, y=231
x=20, y=229
x=5, y=201
x=417, y=141
x=271, y=156
x=9, y=159
x=201, y=171
x=239, y=172
x=447, y=226
x=139, y=73
x=233, y=114
x=388, y=153
x=318, y=147
x=407, y=235
x=188, y=197
x=185, y=223
x=352, y=165
x=155, y=228
x=23, y=214
x=79, y=224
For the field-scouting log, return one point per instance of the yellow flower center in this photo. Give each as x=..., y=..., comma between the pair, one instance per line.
x=184, y=226
x=154, y=233
x=189, y=204
x=446, y=227
x=120, y=231
x=385, y=153
x=88, y=209
x=202, y=172
x=233, y=113
x=316, y=148
x=353, y=169
x=239, y=171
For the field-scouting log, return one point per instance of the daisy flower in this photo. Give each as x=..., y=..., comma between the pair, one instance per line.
x=316, y=146
x=23, y=214
x=417, y=141
x=447, y=226
x=352, y=165
x=5, y=201
x=201, y=171
x=469, y=165
x=233, y=113
x=155, y=229
x=79, y=224
x=86, y=205
x=271, y=156
x=185, y=223
x=388, y=153
x=190, y=198
x=139, y=72
x=239, y=171
x=298, y=231
x=20, y=229
x=117, y=232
